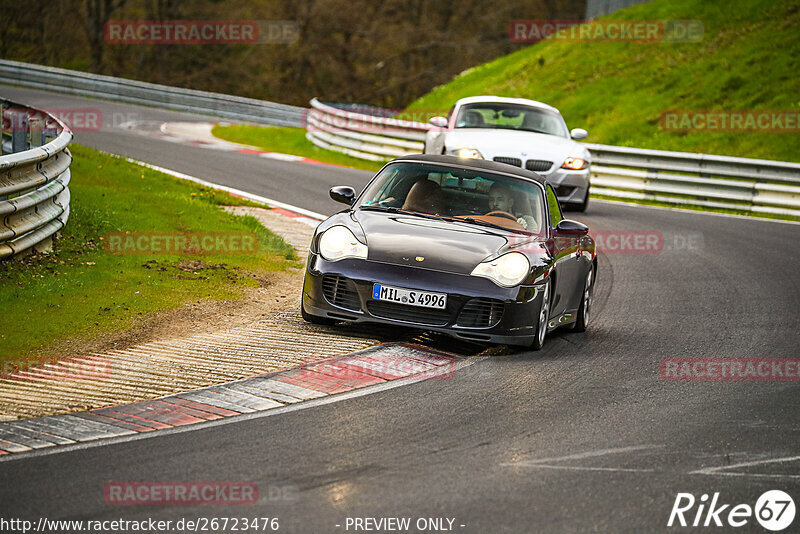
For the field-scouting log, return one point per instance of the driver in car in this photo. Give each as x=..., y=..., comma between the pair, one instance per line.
x=501, y=198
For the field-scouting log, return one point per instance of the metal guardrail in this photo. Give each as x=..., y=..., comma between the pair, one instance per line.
x=150, y=94
x=372, y=137
x=34, y=178
x=755, y=185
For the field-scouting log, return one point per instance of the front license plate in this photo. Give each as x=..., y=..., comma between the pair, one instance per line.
x=412, y=297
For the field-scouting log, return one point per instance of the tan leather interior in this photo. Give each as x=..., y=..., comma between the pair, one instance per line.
x=425, y=196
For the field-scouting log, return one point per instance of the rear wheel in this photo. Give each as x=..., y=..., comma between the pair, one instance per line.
x=582, y=321
x=314, y=319
x=544, y=316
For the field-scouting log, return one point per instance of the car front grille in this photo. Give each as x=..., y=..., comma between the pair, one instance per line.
x=341, y=291
x=509, y=161
x=481, y=313
x=411, y=314
x=538, y=165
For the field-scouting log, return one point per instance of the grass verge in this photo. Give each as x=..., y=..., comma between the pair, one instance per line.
x=81, y=292
x=289, y=140
x=747, y=60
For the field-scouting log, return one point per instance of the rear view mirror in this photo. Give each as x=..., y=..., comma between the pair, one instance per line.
x=344, y=194
x=568, y=227
x=439, y=122
x=579, y=133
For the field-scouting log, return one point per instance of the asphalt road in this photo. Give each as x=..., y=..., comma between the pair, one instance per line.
x=584, y=436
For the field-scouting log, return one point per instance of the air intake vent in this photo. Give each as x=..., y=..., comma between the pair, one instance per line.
x=509, y=161
x=538, y=165
x=410, y=314
x=341, y=292
x=565, y=190
x=481, y=313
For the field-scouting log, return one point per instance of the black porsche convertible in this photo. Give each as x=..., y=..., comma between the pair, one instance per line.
x=476, y=249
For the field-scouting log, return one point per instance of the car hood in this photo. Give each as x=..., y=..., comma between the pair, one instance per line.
x=447, y=246
x=510, y=143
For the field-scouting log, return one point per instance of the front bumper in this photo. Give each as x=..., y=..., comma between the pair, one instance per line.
x=477, y=309
x=570, y=186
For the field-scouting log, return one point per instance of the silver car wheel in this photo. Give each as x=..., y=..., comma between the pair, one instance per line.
x=587, y=297
x=543, y=314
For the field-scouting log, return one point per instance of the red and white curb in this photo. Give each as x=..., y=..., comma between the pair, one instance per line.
x=199, y=134
x=370, y=370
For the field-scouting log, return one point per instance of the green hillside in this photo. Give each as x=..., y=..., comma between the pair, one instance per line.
x=748, y=59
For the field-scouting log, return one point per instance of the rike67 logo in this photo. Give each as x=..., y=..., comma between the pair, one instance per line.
x=774, y=510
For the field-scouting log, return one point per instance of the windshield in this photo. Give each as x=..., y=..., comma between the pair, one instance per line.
x=511, y=117
x=474, y=197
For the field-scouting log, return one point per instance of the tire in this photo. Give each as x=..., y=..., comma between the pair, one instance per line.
x=314, y=319
x=581, y=207
x=584, y=310
x=544, y=317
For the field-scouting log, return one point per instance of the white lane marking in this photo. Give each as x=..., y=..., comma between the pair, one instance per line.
x=746, y=475
x=580, y=456
x=270, y=202
x=328, y=399
x=582, y=468
x=730, y=215
x=724, y=470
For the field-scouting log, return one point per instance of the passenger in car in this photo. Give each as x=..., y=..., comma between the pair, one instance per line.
x=501, y=198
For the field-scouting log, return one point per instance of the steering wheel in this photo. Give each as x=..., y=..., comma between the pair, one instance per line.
x=503, y=214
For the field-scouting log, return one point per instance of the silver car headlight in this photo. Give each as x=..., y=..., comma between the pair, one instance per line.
x=508, y=270
x=338, y=242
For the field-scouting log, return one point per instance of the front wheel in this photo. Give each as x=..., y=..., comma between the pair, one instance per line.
x=582, y=320
x=582, y=206
x=544, y=316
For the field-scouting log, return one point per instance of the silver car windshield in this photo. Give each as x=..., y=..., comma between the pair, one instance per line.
x=511, y=117
x=474, y=197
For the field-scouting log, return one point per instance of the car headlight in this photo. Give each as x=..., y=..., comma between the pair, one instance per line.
x=574, y=164
x=338, y=242
x=471, y=153
x=508, y=270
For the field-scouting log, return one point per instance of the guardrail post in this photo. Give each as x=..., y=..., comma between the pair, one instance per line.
x=37, y=132
x=3, y=125
x=19, y=130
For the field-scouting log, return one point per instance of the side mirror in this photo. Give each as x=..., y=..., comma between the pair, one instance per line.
x=568, y=227
x=579, y=133
x=344, y=194
x=439, y=122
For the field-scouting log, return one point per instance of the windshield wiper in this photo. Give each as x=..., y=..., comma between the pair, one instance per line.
x=481, y=222
x=392, y=209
